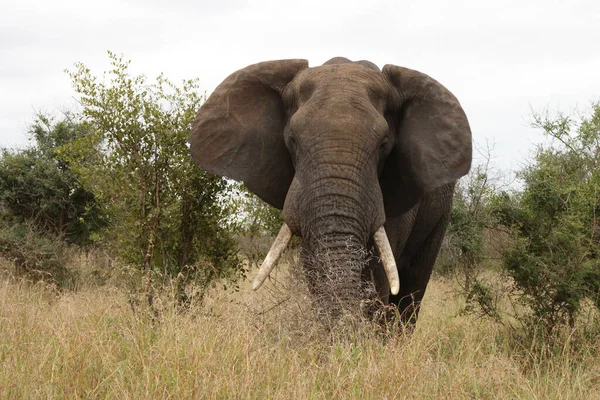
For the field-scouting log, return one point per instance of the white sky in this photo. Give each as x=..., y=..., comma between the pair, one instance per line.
x=500, y=58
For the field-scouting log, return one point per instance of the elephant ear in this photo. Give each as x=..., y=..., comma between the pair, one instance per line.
x=238, y=131
x=433, y=139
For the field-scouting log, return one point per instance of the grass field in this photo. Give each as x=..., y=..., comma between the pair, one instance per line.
x=91, y=344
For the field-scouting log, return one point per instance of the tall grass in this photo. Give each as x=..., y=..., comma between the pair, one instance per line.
x=91, y=344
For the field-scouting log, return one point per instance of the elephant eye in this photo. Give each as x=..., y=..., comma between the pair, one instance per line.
x=384, y=142
x=384, y=145
x=292, y=143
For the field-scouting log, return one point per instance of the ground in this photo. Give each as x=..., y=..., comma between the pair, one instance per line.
x=91, y=344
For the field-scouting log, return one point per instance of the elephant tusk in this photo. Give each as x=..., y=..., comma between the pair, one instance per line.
x=281, y=241
x=387, y=259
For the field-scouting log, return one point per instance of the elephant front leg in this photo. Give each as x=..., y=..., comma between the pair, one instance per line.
x=399, y=229
x=415, y=271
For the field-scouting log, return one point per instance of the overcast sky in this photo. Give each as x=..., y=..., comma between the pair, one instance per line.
x=500, y=58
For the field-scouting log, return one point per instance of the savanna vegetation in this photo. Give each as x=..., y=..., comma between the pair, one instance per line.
x=123, y=266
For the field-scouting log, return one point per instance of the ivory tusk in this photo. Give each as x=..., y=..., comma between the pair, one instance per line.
x=387, y=259
x=281, y=241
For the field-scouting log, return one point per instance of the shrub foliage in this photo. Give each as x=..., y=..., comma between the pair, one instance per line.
x=555, y=221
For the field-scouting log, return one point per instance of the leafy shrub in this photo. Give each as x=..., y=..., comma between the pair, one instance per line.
x=554, y=260
x=44, y=208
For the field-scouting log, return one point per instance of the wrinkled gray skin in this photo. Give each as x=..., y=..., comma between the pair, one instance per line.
x=343, y=148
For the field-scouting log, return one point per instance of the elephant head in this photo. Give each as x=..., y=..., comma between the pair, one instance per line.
x=339, y=147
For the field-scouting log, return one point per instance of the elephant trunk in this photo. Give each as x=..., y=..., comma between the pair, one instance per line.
x=333, y=269
x=336, y=227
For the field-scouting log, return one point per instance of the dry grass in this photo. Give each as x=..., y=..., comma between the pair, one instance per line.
x=90, y=344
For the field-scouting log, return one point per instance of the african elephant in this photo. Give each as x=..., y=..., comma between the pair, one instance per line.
x=355, y=156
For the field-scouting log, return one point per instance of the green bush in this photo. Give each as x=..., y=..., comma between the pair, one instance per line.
x=44, y=208
x=554, y=260
x=39, y=187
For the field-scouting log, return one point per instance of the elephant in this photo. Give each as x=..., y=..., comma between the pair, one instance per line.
x=356, y=157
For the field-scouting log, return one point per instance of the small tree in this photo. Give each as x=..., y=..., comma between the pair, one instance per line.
x=165, y=211
x=555, y=260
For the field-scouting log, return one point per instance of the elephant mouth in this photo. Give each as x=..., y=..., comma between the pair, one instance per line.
x=285, y=235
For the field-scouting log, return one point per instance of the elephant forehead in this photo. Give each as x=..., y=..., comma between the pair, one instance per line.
x=351, y=79
x=341, y=75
